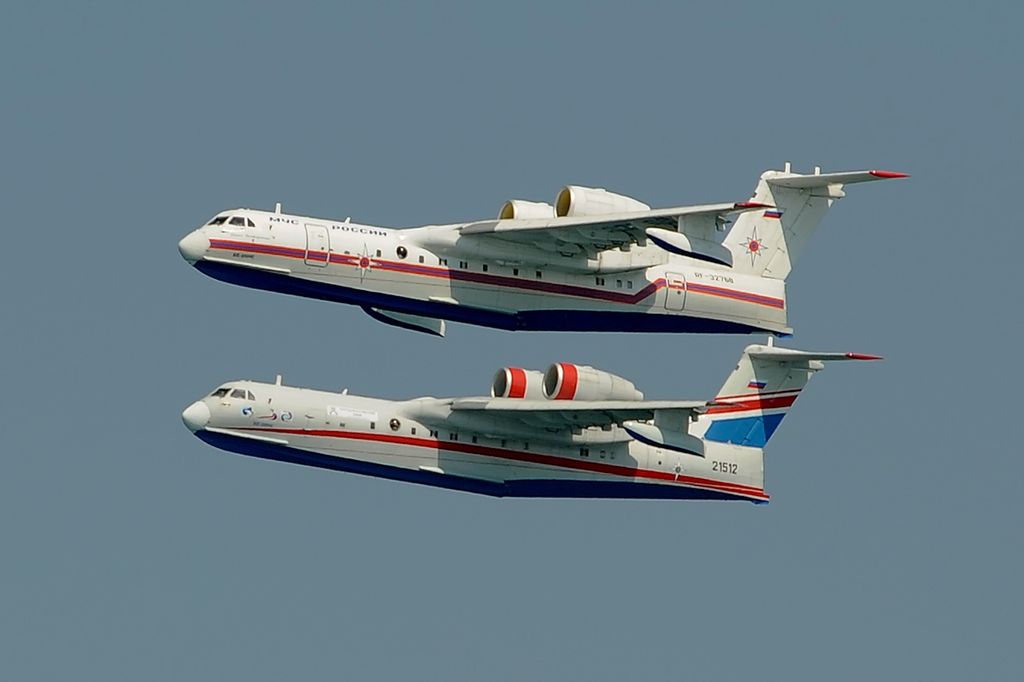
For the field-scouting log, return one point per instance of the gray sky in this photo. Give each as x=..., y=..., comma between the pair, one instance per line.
x=131, y=550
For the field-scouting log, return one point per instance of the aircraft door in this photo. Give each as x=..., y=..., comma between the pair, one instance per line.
x=675, y=291
x=318, y=245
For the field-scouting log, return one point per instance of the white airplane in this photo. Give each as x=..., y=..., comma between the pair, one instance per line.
x=572, y=431
x=595, y=261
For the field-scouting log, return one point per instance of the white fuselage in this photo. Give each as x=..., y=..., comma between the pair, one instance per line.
x=419, y=441
x=429, y=272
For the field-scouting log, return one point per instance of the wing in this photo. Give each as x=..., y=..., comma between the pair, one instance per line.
x=513, y=415
x=589, y=235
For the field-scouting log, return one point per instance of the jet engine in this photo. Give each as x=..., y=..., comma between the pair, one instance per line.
x=515, y=382
x=576, y=201
x=518, y=209
x=565, y=381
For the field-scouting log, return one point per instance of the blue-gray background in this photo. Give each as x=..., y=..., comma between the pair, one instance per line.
x=133, y=551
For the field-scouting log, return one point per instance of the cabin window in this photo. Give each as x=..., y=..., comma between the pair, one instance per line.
x=378, y=253
x=373, y=426
x=515, y=271
x=413, y=430
x=484, y=267
x=433, y=433
x=442, y=261
x=453, y=436
x=629, y=284
x=618, y=284
x=463, y=264
x=238, y=220
x=538, y=274
x=474, y=439
x=599, y=281
x=421, y=259
x=584, y=452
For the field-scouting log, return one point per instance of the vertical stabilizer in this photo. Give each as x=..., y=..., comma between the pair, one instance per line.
x=760, y=391
x=769, y=242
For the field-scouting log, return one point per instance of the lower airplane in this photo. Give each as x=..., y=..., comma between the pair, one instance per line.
x=572, y=431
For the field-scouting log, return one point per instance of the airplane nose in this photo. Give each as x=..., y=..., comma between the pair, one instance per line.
x=193, y=246
x=196, y=416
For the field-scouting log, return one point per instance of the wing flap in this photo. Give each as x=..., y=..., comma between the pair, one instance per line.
x=588, y=235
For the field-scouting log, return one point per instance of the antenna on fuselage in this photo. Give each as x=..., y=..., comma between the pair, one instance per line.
x=277, y=381
x=277, y=208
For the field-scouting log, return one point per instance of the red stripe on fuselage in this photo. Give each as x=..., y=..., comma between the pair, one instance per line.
x=498, y=280
x=530, y=457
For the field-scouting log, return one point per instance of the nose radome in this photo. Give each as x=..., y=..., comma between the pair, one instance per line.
x=193, y=246
x=196, y=416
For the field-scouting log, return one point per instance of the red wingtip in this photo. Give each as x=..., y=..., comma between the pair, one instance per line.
x=863, y=356
x=752, y=204
x=888, y=174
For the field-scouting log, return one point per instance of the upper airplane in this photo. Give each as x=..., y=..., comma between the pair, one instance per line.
x=573, y=431
x=594, y=261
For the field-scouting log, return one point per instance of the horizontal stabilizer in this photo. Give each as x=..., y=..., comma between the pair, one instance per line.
x=790, y=355
x=825, y=179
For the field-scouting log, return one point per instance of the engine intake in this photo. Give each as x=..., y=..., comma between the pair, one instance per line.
x=565, y=381
x=518, y=209
x=574, y=200
x=515, y=382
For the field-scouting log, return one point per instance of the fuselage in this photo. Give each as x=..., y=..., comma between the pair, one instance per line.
x=419, y=441
x=432, y=273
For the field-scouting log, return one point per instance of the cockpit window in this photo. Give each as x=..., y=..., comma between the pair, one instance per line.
x=238, y=393
x=219, y=220
x=220, y=393
x=250, y=223
x=251, y=396
x=238, y=220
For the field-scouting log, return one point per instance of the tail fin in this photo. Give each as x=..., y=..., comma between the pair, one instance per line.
x=769, y=242
x=760, y=391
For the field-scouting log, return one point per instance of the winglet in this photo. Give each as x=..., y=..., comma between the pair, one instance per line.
x=888, y=174
x=863, y=356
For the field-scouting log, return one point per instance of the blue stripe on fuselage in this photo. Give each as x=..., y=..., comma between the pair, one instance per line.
x=515, y=488
x=532, y=320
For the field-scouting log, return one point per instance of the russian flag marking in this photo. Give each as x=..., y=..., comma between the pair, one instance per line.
x=773, y=213
x=756, y=384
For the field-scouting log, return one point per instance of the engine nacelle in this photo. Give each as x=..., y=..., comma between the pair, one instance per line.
x=515, y=382
x=565, y=381
x=574, y=201
x=518, y=209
